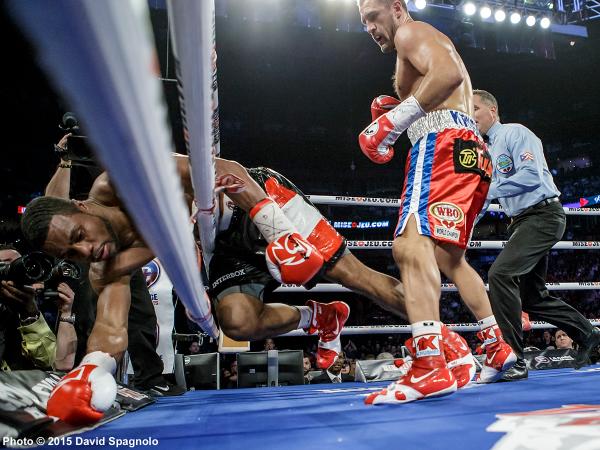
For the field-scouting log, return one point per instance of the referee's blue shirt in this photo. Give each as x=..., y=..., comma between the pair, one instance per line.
x=521, y=177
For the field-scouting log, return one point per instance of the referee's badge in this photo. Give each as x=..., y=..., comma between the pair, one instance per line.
x=504, y=163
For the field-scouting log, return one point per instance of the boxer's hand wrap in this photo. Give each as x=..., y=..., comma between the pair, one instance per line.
x=291, y=259
x=270, y=220
x=382, y=105
x=377, y=139
x=82, y=396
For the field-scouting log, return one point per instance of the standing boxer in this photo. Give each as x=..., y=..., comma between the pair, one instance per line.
x=447, y=177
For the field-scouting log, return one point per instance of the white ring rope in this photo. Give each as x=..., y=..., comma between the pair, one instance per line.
x=446, y=287
x=400, y=329
x=395, y=202
x=193, y=35
x=480, y=245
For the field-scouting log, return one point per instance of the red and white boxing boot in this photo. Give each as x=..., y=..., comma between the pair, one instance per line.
x=327, y=319
x=499, y=356
x=428, y=375
x=459, y=358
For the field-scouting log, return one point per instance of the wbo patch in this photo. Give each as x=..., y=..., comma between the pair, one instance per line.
x=526, y=156
x=504, y=163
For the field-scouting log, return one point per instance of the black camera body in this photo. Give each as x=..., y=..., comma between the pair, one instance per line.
x=34, y=267
x=77, y=148
x=62, y=271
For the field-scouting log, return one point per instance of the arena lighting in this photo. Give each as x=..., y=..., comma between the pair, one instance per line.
x=485, y=12
x=499, y=15
x=545, y=22
x=515, y=17
x=420, y=4
x=469, y=8
x=530, y=21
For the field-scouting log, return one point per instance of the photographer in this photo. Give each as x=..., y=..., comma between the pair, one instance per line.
x=26, y=340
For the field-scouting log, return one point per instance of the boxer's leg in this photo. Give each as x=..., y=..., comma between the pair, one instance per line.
x=245, y=317
x=384, y=290
x=451, y=261
x=415, y=256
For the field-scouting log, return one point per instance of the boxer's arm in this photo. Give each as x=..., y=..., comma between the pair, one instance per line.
x=123, y=264
x=433, y=58
x=528, y=156
x=109, y=334
x=247, y=199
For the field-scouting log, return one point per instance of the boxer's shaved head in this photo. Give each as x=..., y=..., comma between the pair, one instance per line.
x=359, y=3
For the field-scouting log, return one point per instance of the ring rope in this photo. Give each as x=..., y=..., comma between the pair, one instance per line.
x=446, y=287
x=480, y=245
x=400, y=329
x=395, y=202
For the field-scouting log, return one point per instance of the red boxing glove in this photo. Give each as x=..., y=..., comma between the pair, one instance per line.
x=292, y=260
x=83, y=395
x=382, y=105
x=377, y=139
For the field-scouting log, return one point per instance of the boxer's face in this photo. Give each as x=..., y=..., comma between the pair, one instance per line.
x=484, y=115
x=378, y=18
x=81, y=237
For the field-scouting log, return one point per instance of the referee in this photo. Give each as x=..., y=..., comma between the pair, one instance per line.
x=523, y=185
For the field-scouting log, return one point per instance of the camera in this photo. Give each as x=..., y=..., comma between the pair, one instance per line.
x=34, y=267
x=62, y=271
x=77, y=148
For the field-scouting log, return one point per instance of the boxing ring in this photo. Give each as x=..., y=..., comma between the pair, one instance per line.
x=334, y=416
x=136, y=152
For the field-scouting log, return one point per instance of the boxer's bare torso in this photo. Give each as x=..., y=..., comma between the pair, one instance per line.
x=408, y=78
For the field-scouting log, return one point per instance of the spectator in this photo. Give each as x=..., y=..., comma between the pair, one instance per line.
x=334, y=373
x=270, y=344
x=233, y=375
x=307, y=366
x=194, y=348
x=547, y=341
x=563, y=341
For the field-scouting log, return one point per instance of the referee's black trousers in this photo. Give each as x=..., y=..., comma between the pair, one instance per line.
x=517, y=279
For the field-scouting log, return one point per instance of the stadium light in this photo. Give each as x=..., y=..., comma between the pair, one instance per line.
x=485, y=12
x=530, y=21
x=420, y=4
x=499, y=15
x=469, y=8
x=545, y=23
x=515, y=17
